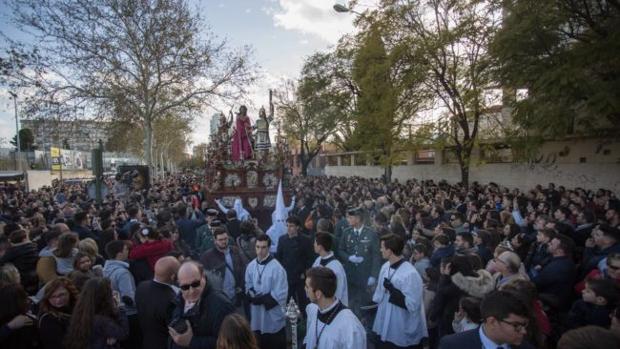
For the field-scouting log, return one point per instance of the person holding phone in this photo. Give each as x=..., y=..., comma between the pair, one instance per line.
x=17, y=325
x=200, y=309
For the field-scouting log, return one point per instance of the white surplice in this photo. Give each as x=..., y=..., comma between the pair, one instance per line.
x=262, y=279
x=342, y=292
x=403, y=327
x=345, y=331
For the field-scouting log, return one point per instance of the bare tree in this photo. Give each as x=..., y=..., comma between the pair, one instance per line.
x=129, y=60
x=304, y=121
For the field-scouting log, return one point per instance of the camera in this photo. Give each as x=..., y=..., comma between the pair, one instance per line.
x=179, y=325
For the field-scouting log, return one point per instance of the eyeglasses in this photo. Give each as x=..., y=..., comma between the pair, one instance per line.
x=518, y=326
x=194, y=284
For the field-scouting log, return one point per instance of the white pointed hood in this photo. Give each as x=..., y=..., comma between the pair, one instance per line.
x=242, y=213
x=278, y=220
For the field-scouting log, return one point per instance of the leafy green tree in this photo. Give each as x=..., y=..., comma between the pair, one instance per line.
x=378, y=128
x=445, y=43
x=327, y=79
x=26, y=140
x=136, y=61
x=564, y=55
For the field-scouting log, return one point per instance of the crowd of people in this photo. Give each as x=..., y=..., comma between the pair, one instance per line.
x=420, y=264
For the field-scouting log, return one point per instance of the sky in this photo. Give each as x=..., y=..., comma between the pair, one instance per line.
x=282, y=34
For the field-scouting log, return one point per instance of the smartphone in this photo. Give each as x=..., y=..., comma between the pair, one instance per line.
x=179, y=325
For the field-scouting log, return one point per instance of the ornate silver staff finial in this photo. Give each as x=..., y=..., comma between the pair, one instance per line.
x=293, y=314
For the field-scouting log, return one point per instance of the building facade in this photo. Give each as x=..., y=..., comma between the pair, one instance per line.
x=82, y=135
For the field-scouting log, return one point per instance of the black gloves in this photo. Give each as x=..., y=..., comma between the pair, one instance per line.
x=264, y=299
x=268, y=301
x=127, y=301
x=396, y=296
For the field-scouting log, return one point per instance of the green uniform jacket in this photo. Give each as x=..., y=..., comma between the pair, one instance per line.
x=365, y=245
x=204, y=239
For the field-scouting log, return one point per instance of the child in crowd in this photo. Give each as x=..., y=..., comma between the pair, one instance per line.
x=538, y=255
x=468, y=316
x=598, y=301
x=420, y=259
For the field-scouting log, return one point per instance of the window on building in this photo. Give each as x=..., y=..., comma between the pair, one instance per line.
x=332, y=160
x=361, y=159
x=345, y=160
x=425, y=156
x=496, y=154
x=449, y=156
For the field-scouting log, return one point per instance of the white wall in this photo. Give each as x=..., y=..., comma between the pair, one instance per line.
x=523, y=176
x=559, y=163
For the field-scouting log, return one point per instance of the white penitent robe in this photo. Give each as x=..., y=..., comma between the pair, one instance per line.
x=267, y=277
x=333, y=328
x=403, y=327
x=330, y=261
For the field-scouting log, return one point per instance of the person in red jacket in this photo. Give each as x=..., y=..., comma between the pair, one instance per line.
x=612, y=272
x=152, y=247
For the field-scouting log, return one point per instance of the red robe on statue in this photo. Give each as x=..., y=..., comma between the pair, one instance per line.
x=241, y=146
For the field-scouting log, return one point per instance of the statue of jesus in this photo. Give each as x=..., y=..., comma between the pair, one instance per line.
x=241, y=145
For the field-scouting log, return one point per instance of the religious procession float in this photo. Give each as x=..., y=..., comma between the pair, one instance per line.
x=244, y=168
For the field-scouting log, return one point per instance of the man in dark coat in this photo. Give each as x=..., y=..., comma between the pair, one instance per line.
x=505, y=320
x=555, y=280
x=155, y=303
x=23, y=255
x=199, y=312
x=296, y=254
x=81, y=226
x=226, y=261
x=187, y=226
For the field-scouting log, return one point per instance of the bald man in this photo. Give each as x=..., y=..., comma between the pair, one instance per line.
x=199, y=311
x=155, y=303
x=62, y=227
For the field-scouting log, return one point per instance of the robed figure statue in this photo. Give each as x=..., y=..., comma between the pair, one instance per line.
x=262, y=131
x=241, y=143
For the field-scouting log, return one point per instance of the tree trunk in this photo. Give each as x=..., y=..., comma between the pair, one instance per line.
x=304, y=165
x=465, y=174
x=387, y=174
x=148, y=144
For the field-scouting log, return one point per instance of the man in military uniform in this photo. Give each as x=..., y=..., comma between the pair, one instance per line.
x=358, y=250
x=204, y=234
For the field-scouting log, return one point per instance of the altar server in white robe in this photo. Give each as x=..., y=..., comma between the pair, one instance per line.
x=323, y=243
x=266, y=288
x=330, y=324
x=400, y=321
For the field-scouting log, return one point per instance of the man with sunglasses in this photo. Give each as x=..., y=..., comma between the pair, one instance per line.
x=200, y=309
x=505, y=321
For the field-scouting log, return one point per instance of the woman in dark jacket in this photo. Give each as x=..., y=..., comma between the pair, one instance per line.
x=448, y=294
x=55, y=311
x=24, y=255
x=17, y=328
x=97, y=321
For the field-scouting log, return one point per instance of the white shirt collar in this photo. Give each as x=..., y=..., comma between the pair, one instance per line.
x=329, y=308
x=173, y=287
x=329, y=255
x=487, y=343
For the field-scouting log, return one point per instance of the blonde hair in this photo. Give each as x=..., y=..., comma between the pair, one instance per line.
x=89, y=246
x=511, y=259
x=9, y=273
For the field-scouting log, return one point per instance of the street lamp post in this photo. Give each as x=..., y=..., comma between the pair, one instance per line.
x=344, y=9
x=19, y=151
